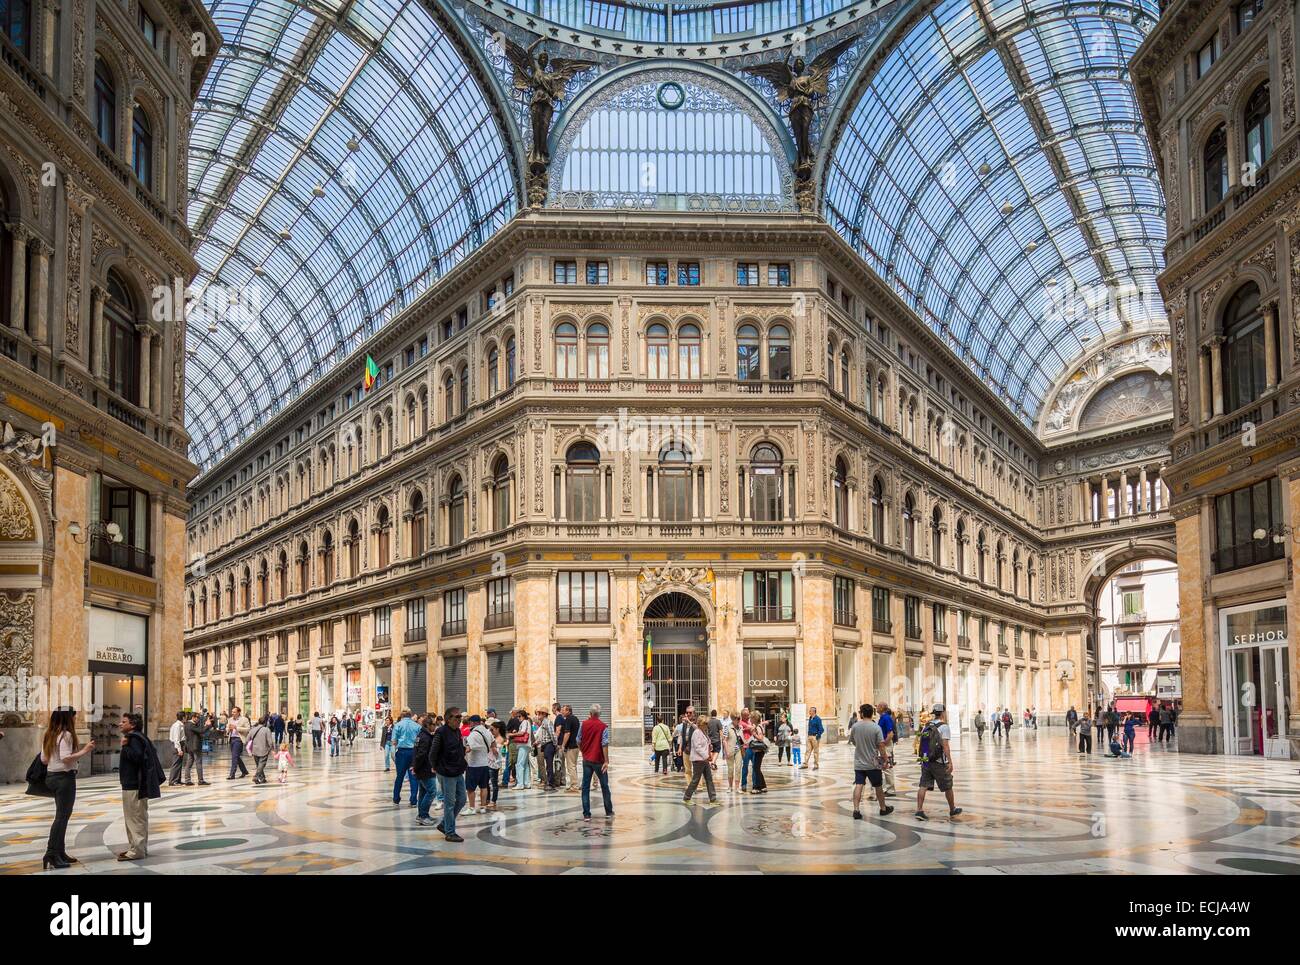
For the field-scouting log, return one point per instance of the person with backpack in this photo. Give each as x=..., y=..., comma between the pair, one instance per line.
x=1072, y=720
x=997, y=723
x=979, y=724
x=936, y=762
x=1166, y=720
x=870, y=760
x=1085, y=734
x=1006, y=723
x=141, y=775
x=662, y=739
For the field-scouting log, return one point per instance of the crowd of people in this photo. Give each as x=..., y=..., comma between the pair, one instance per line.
x=1160, y=720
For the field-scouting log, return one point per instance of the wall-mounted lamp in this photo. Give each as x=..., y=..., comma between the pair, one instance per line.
x=110, y=531
x=1278, y=534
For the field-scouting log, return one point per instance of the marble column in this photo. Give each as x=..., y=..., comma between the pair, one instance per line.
x=18, y=278
x=99, y=296
x=1270, y=345
x=1144, y=503
x=1199, y=725
x=41, y=292
x=1122, y=507
x=1207, y=402
x=156, y=366
x=1216, y=373
x=146, y=358
x=1103, y=509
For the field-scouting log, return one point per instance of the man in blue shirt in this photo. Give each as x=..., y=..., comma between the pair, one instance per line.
x=405, y=731
x=815, y=732
x=890, y=730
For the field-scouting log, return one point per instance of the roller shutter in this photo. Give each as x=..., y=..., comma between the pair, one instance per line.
x=416, y=687
x=455, y=683
x=500, y=681
x=582, y=679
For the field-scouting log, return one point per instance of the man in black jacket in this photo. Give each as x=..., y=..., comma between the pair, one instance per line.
x=141, y=775
x=422, y=768
x=447, y=756
x=196, y=730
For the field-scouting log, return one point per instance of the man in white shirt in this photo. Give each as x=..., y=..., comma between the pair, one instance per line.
x=237, y=731
x=177, y=736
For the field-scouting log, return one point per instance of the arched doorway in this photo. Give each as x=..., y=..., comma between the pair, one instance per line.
x=676, y=641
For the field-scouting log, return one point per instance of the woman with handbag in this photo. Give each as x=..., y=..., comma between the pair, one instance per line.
x=757, y=748
x=60, y=754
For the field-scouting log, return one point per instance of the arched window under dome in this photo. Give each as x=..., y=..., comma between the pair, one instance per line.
x=675, y=140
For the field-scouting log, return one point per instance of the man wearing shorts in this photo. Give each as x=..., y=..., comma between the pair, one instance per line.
x=936, y=764
x=870, y=758
x=477, y=776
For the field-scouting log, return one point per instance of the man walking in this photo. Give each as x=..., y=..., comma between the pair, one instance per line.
x=1072, y=719
x=593, y=742
x=405, y=733
x=237, y=732
x=448, y=755
x=261, y=744
x=701, y=754
x=141, y=776
x=195, y=731
x=177, y=737
x=870, y=760
x=936, y=762
x=316, y=725
x=890, y=731
x=815, y=731
x=569, y=746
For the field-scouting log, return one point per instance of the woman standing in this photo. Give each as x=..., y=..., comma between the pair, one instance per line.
x=523, y=761
x=730, y=751
x=783, y=740
x=385, y=741
x=662, y=738
x=336, y=736
x=59, y=754
x=757, y=748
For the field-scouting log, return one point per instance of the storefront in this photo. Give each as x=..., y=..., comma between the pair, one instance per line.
x=846, y=684
x=352, y=688
x=769, y=680
x=383, y=687
x=1256, y=677
x=325, y=691
x=117, y=662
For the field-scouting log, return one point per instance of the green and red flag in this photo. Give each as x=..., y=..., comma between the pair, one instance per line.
x=372, y=374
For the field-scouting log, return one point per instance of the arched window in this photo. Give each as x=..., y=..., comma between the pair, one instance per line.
x=936, y=537
x=656, y=352
x=844, y=372
x=998, y=556
x=909, y=525
x=688, y=352
x=510, y=361
x=981, y=554
x=189, y=609
x=463, y=382
x=779, y=367
x=1258, y=125
x=120, y=319
x=566, y=351
x=16, y=24
x=354, y=550
x=203, y=605
x=327, y=559
x=1244, y=357
x=881, y=412
x=830, y=364
x=1015, y=573
x=142, y=147
x=448, y=397
x=501, y=493
x=877, y=510
x=1030, y=574
x=675, y=482
x=1214, y=169
x=263, y=584
x=597, y=351
x=959, y=545
x=417, y=524
x=582, y=483
x=747, y=354
x=765, y=466
x=8, y=252
x=246, y=590
x=412, y=431
x=106, y=105
x=381, y=537
x=455, y=512
x=282, y=570
x=493, y=371
x=304, y=564
x=840, y=482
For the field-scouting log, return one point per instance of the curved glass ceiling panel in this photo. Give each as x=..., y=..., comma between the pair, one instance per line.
x=342, y=157
x=995, y=171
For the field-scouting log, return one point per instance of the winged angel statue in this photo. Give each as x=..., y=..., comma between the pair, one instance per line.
x=543, y=78
x=798, y=85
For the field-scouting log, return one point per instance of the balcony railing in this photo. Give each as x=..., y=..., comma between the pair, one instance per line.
x=304, y=651
x=846, y=618
x=453, y=628
x=282, y=656
x=327, y=649
x=382, y=641
x=769, y=614
x=502, y=618
x=985, y=647
x=123, y=556
x=880, y=625
x=1250, y=553
x=122, y=414
x=351, y=646
x=940, y=636
x=1002, y=649
x=912, y=632
x=416, y=634
x=963, y=641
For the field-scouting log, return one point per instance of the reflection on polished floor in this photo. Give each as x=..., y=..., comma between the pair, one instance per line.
x=1030, y=806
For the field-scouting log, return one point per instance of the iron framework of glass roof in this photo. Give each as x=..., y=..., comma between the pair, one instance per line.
x=995, y=171
x=343, y=156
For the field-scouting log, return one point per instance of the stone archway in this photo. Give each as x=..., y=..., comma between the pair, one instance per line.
x=674, y=635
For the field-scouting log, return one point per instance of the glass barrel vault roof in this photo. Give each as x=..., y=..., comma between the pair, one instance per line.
x=995, y=171
x=342, y=158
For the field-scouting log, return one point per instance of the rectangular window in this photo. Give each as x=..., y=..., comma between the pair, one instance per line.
x=415, y=625
x=383, y=622
x=149, y=29
x=1248, y=526
x=582, y=597
x=912, y=617
x=844, y=606
x=769, y=596
x=597, y=273
x=880, y=621
x=566, y=273
x=424, y=347
x=746, y=274
x=939, y=618
x=500, y=604
x=778, y=275
x=1207, y=55
x=453, y=612
x=688, y=273
x=656, y=273
x=1132, y=602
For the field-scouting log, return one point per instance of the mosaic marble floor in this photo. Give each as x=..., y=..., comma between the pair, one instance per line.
x=1030, y=806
